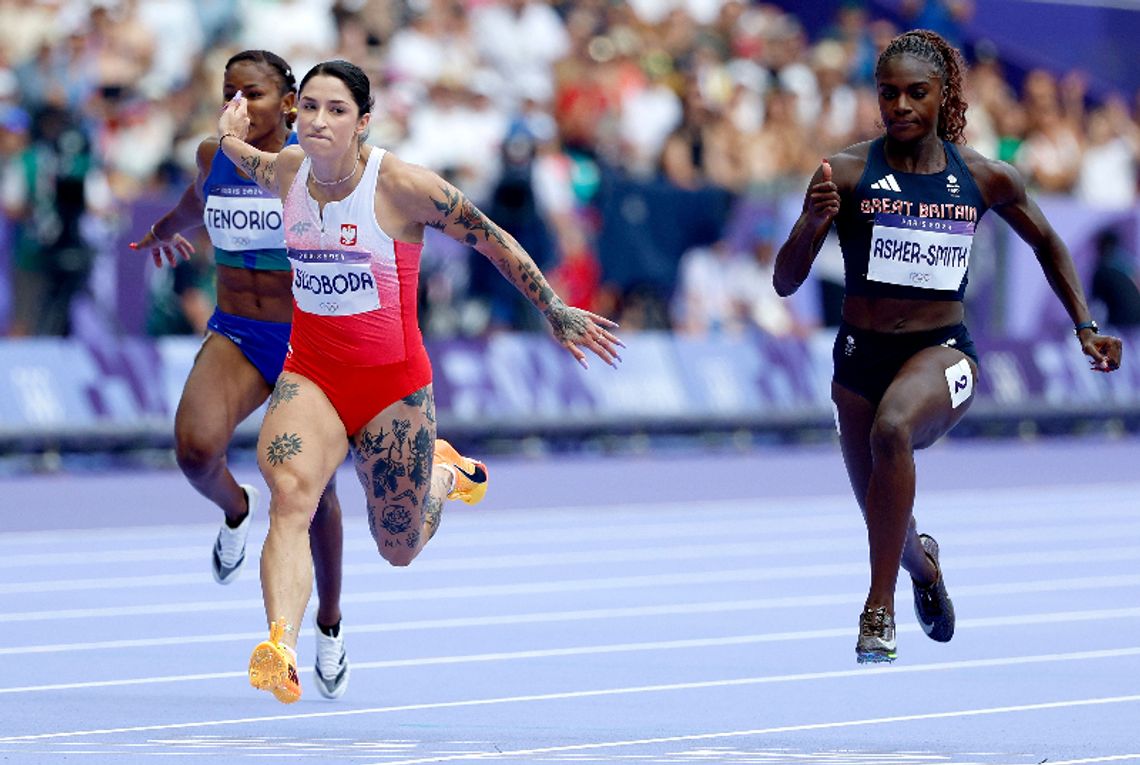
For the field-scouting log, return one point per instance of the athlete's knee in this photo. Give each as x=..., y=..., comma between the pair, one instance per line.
x=397, y=553
x=197, y=455
x=396, y=532
x=890, y=434
x=292, y=499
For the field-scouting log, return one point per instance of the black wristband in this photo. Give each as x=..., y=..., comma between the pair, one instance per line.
x=1087, y=325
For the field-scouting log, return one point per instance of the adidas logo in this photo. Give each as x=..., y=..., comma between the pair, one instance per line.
x=886, y=183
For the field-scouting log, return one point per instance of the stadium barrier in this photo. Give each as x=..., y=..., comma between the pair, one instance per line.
x=62, y=394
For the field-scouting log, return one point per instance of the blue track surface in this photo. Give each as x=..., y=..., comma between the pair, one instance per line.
x=658, y=609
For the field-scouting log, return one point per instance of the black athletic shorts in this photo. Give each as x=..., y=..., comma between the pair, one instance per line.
x=866, y=362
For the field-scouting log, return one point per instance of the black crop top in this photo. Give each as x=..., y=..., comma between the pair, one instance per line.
x=907, y=235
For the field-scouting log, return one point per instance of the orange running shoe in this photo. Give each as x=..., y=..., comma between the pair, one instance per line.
x=470, y=475
x=273, y=667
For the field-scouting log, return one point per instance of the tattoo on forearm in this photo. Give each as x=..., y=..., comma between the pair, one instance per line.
x=264, y=173
x=284, y=391
x=532, y=282
x=282, y=448
x=456, y=208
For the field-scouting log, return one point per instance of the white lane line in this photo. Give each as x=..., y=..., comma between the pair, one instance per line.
x=877, y=674
x=992, y=563
x=1098, y=583
x=1062, y=617
x=1106, y=758
x=594, y=746
x=964, y=509
x=141, y=551
x=1068, y=534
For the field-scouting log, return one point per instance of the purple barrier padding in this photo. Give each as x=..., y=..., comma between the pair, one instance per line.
x=132, y=299
x=48, y=383
x=528, y=381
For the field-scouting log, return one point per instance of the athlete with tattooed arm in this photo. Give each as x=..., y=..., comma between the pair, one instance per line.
x=357, y=374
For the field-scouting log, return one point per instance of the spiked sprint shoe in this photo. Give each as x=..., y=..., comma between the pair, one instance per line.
x=331, y=669
x=876, y=636
x=932, y=604
x=273, y=667
x=470, y=475
x=229, y=548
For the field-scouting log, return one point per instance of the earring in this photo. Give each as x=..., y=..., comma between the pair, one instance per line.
x=293, y=112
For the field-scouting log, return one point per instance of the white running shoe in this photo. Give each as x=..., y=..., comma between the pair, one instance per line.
x=331, y=669
x=229, y=549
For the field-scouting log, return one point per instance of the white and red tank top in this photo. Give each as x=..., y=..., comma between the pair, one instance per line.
x=354, y=287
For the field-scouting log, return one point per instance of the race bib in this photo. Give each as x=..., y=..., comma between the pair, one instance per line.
x=929, y=253
x=241, y=220
x=332, y=283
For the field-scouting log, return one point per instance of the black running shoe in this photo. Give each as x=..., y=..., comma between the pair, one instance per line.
x=932, y=605
x=876, y=642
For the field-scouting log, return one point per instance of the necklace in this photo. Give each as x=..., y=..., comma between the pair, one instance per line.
x=351, y=173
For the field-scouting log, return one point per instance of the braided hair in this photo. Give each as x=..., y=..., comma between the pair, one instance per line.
x=950, y=67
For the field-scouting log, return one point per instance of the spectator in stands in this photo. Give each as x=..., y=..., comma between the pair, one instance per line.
x=183, y=297
x=779, y=154
x=49, y=188
x=1116, y=281
x=1110, y=163
x=946, y=17
x=1050, y=155
x=905, y=366
x=706, y=147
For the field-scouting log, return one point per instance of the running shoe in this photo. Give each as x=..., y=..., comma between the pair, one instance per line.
x=331, y=669
x=876, y=636
x=229, y=548
x=470, y=475
x=273, y=667
x=932, y=604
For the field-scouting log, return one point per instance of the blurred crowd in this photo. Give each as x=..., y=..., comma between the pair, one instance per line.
x=528, y=106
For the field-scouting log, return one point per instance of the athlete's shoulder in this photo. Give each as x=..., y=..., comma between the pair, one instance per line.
x=289, y=159
x=400, y=177
x=998, y=181
x=847, y=164
x=207, y=150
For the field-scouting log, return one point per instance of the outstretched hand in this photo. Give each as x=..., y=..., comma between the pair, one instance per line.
x=1104, y=351
x=170, y=249
x=824, y=195
x=575, y=328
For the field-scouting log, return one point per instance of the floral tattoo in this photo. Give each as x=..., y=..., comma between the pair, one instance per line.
x=454, y=207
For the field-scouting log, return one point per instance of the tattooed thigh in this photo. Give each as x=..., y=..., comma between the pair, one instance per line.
x=393, y=458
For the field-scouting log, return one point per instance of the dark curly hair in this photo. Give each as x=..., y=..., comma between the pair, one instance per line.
x=280, y=67
x=273, y=61
x=948, y=63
